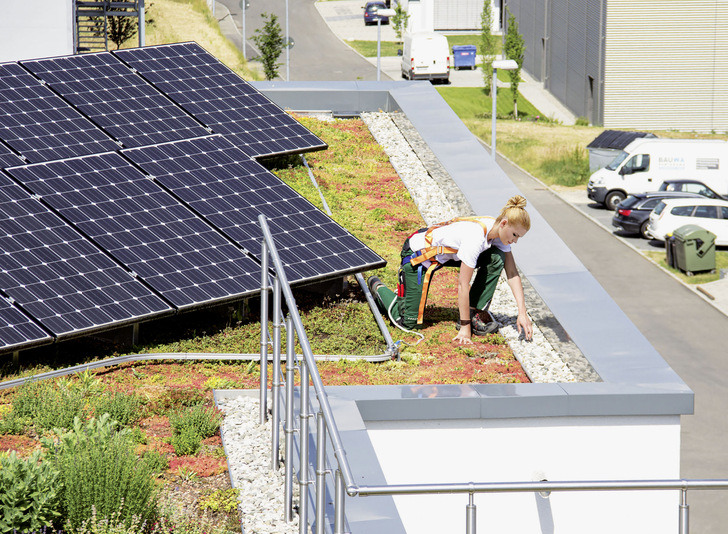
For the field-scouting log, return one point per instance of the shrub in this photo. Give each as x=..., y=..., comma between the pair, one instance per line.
x=29, y=493
x=98, y=467
x=122, y=407
x=47, y=405
x=186, y=441
x=220, y=501
x=156, y=461
x=203, y=420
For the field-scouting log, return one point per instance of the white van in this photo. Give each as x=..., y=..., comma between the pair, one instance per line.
x=426, y=56
x=646, y=162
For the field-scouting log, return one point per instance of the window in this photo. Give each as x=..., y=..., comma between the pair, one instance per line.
x=650, y=204
x=724, y=212
x=706, y=212
x=682, y=211
x=638, y=163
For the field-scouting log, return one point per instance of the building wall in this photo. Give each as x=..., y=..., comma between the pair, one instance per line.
x=667, y=68
x=35, y=29
x=449, y=15
x=529, y=450
x=563, y=50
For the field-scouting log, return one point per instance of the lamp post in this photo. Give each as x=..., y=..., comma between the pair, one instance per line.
x=505, y=64
x=244, y=4
x=381, y=13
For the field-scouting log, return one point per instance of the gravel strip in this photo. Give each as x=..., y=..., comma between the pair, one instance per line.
x=247, y=442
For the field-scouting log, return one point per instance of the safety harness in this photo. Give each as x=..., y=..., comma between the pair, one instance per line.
x=430, y=252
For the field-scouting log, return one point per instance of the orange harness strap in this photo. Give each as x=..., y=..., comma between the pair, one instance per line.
x=430, y=252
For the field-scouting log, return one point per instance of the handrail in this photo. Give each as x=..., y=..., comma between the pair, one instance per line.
x=318, y=385
x=343, y=477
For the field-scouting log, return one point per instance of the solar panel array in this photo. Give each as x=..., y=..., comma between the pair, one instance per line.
x=129, y=191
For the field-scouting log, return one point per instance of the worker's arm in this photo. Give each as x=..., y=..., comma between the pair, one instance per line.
x=466, y=274
x=523, y=323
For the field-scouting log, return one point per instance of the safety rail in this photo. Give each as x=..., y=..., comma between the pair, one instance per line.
x=326, y=428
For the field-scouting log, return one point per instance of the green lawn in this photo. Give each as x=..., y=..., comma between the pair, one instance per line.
x=389, y=48
x=473, y=102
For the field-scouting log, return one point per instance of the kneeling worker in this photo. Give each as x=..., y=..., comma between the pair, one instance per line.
x=469, y=243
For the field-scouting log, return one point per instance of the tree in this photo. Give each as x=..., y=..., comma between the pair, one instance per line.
x=400, y=21
x=487, y=43
x=269, y=41
x=121, y=28
x=515, y=49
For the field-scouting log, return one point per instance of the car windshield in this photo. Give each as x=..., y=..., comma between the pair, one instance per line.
x=616, y=162
x=371, y=8
x=629, y=201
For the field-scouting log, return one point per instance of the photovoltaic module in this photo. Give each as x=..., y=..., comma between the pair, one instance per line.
x=130, y=190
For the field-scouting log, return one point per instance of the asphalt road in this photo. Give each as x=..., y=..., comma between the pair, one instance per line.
x=317, y=54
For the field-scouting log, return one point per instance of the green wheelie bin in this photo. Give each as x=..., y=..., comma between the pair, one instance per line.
x=694, y=249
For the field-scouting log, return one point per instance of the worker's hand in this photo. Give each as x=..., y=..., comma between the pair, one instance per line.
x=523, y=324
x=463, y=337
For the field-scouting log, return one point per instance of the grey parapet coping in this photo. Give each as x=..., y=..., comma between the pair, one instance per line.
x=635, y=379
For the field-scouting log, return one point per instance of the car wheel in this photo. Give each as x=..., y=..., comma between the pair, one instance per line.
x=643, y=229
x=613, y=199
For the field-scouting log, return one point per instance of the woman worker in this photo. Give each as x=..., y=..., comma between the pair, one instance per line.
x=468, y=242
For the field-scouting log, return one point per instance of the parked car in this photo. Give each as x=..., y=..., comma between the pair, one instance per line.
x=670, y=214
x=370, y=12
x=690, y=186
x=633, y=213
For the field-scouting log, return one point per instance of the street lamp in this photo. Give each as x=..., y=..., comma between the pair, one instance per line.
x=381, y=13
x=244, y=4
x=505, y=64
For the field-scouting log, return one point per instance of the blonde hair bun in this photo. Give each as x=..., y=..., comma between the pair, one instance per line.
x=516, y=202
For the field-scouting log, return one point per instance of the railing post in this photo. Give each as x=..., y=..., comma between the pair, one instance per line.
x=470, y=515
x=339, y=502
x=320, y=472
x=684, y=513
x=264, y=333
x=289, y=428
x=303, y=438
x=276, y=380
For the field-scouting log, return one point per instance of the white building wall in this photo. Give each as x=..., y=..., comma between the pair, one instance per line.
x=532, y=449
x=449, y=15
x=35, y=29
x=666, y=67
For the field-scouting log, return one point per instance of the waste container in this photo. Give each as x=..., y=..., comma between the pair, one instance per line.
x=464, y=56
x=670, y=251
x=694, y=249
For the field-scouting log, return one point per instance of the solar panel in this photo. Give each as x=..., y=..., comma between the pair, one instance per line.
x=219, y=98
x=117, y=99
x=8, y=158
x=220, y=183
x=59, y=277
x=17, y=329
x=39, y=124
x=144, y=227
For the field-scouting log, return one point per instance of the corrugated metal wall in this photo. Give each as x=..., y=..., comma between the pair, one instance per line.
x=666, y=65
x=457, y=14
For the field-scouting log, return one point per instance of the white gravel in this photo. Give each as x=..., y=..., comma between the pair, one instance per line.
x=247, y=442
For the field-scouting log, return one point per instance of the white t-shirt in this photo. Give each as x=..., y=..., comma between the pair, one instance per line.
x=467, y=237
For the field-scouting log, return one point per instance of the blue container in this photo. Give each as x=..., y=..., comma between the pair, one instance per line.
x=464, y=56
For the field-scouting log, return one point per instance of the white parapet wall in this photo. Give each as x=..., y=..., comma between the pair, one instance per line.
x=527, y=450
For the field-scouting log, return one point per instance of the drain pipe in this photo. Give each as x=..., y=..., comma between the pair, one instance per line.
x=392, y=347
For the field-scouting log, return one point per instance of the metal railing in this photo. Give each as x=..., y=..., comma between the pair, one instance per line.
x=327, y=430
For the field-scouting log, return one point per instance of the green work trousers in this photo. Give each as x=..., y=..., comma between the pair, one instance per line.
x=411, y=285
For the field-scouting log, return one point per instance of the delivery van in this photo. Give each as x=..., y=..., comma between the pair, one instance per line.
x=646, y=162
x=426, y=56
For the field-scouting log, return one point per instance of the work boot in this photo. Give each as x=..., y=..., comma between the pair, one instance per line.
x=478, y=327
x=374, y=284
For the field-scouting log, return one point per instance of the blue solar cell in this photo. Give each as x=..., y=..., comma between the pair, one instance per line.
x=17, y=329
x=39, y=124
x=217, y=180
x=219, y=98
x=145, y=228
x=116, y=98
x=58, y=277
x=8, y=158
